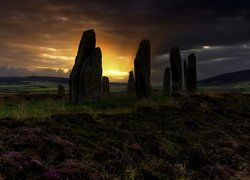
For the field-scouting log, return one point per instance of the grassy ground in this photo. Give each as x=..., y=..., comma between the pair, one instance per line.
x=236, y=87
x=203, y=136
x=31, y=87
x=40, y=106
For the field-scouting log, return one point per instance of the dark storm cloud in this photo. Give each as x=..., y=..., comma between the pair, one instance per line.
x=189, y=24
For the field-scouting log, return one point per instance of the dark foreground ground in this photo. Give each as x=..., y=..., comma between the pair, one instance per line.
x=196, y=137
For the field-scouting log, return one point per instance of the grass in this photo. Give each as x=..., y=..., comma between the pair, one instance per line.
x=31, y=87
x=116, y=104
x=237, y=87
x=39, y=109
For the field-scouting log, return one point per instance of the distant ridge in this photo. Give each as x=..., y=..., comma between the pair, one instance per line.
x=21, y=80
x=228, y=78
x=15, y=80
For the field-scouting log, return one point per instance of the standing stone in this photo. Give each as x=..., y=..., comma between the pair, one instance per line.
x=85, y=77
x=192, y=74
x=105, y=85
x=61, y=91
x=167, y=83
x=131, y=83
x=186, y=74
x=176, y=69
x=142, y=70
x=90, y=83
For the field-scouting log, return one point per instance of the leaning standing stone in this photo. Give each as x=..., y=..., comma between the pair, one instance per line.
x=105, y=85
x=142, y=70
x=176, y=69
x=167, y=83
x=86, y=47
x=131, y=83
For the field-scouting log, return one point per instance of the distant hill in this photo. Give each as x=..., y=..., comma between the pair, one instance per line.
x=20, y=80
x=41, y=84
x=23, y=80
x=228, y=78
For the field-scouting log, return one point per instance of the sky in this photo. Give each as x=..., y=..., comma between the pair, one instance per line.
x=41, y=37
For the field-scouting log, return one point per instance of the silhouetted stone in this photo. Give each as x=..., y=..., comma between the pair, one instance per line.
x=86, y=46
x=167, y=83
x=85, y=78
x=131, y=83
x=105, y=85
x=90, y=83
x=142, y=70
x=176, y=69
x=186, y=74
x=192, y=75
x=61, y=91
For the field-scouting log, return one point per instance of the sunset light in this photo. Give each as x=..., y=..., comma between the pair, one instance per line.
x=119, y=89
x=116, y=75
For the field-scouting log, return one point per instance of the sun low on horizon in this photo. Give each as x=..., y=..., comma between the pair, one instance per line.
x=116, y=63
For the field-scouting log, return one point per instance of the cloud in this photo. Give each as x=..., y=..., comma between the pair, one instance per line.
x=46, y=33
x=6, y=71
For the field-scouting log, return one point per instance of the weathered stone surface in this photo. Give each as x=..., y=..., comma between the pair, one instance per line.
x=61, y=91
x=142, y=70
x=167, y=83
x=90, y=83
x=105, y=85
x=192, y=74
x=86, y=46
x=185, y=74
x=131, y=83
x=85, y=78
x=176, y=69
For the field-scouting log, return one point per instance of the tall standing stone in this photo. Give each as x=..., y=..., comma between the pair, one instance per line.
x=90, y=84
x=176, y=69
x=85, y=77
x=131, y=83
x=185, y=74
x=105, y=85
x=61, y=91
x=192, y=74
x=167, y=82
x=142, y=70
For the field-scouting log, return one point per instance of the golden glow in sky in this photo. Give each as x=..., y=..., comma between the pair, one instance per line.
x=43, y=54
x=114, y=66
x=116, y=62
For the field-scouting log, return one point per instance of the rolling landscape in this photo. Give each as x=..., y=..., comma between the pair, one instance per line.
x=239, y=80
